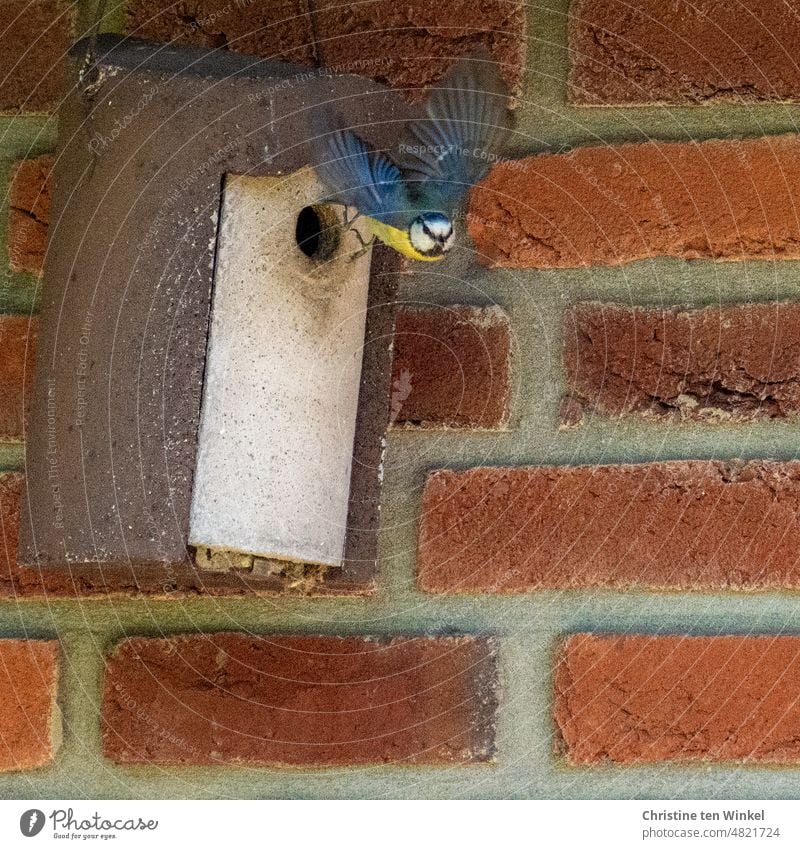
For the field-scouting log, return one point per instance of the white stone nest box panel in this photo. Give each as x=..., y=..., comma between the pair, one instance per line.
x=281, y=389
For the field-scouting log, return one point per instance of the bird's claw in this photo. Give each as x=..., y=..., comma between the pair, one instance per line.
x=365, y=246
x=347, y=224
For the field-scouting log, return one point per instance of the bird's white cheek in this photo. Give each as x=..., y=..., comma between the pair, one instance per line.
x=422, y=242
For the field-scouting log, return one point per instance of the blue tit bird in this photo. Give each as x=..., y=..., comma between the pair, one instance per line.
x=409, y=197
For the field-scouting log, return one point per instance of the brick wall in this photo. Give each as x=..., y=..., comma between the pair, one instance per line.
x=591, y=496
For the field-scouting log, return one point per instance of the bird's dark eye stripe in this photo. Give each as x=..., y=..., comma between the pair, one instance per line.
x=426, y=230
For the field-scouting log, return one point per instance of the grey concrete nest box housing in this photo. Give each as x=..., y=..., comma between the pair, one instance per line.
x=213, y=373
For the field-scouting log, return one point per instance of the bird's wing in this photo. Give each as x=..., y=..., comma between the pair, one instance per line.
x=464, y=130
x=358, y=176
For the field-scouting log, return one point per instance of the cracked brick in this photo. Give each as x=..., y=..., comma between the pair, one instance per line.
x=408, y=46
x=411, y=45
x=726, y=199
x=717, y=364
x=29, y=220
x=703, y=51
x=280, y=29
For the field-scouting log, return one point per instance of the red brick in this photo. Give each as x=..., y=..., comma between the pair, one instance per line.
x=34, y=38
x=278, y=29
x=687, y=51
x=411, y=45
x=31, y=189
x=18, y=335
x=719, y=363
x=609, y=205
x=647, y=699
x=15, y=581
x=451, y=368
x=30, y=721
x=408, y=45
x=674, y=525
x=310, y=701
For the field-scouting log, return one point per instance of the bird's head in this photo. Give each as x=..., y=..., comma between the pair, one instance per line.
x=431, y=234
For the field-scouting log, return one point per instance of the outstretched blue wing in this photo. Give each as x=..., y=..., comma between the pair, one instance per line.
x=359, y=176
x=464, y=131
